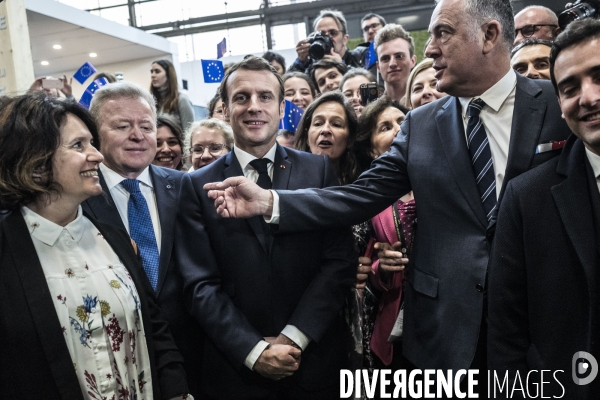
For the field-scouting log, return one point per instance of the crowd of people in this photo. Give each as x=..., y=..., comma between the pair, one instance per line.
x=451, y=222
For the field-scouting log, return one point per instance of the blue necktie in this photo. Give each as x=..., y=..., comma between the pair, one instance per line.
x=481, y=157
x=141, y=229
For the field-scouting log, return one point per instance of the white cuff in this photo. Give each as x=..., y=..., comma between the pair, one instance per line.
x=275, y=214
x=296, y=335
x=255, y=353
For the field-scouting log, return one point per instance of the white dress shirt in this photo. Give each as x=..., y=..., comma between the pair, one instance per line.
x=295, y=334
x=121, y=197
x=594, y=160
x=97, y=306
x=497, y=118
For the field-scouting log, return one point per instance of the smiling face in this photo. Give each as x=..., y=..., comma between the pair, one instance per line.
x=424, y=88
x=328, y=131
x=388, y=125
x=168, y=152
x=351, y=91
x=394, y=62
x=127, y=135
x=328, y=79
x=158, y=76
x=75, y=162
x=254, y=110
x=298, y=92
x=204, y=137
x=532, y=61
x=577, y=73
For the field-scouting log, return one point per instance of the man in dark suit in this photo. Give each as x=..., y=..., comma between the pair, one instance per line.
x=544, y=273
x=444, y=319
x=126, y=118
x=270, y=306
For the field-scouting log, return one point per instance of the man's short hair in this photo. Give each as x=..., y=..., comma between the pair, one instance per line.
x=576, y=32
x=391, y=32
x=552, y=17
x=532, y=41
x=373, y=15
x=272, y=56
x=482, y=12
x=336, y=15
x=252, y=63
x=119, y=90
x=325, y=63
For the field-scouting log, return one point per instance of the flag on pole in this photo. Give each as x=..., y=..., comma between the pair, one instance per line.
x=84, y=72
x=88, y=95
x=213, y=71
x=291, y=118
x=221, y=48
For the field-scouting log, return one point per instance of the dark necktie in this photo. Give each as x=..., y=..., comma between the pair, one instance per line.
x=481, y=157
x=260, y=165
x=141, y=229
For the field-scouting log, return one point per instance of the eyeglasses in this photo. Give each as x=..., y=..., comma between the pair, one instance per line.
x=213, y=148
x=372, y=26
x=331, y=32
x=529, y=30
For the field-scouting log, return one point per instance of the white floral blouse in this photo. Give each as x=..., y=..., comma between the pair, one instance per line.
x=97, y=306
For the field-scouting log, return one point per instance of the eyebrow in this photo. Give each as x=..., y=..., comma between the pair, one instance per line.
x=572, y=78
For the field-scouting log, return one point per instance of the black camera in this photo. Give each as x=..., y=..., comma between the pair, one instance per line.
x=578, y=10
x=368, y=93
x=320, y=44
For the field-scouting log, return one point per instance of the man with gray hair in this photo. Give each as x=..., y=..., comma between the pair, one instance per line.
x=456, y=154
x=141, y=199
x=395, y=58
x=536, y=21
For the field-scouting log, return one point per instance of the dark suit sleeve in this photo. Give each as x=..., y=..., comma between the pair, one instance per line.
x=325, y=295
x=373, y=191
x=227, y=327
x=508, y=335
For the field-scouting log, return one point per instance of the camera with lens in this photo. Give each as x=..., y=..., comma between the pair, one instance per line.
x=320, y=44
x=578, y=10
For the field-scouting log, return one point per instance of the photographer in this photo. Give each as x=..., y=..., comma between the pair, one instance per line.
x=330, y=34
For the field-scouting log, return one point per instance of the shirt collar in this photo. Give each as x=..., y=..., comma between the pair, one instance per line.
x=244, y=158
x=495, y=96
x=594, y=160
x=47, y=231
x=112, y=178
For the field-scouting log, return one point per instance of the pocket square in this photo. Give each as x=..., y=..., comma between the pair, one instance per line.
x=544, y=147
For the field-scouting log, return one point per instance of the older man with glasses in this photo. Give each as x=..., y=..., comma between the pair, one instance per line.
x=536, y=21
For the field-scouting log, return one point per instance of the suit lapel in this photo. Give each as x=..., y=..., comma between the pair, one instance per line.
x=233, y=168
x=574, y=206
x=103, y=206
x=166, y=202
x=528, y=118
x=282, y=169
x=43, y=314
x=452, y=136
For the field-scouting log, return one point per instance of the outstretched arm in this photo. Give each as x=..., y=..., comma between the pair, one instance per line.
x=239, y=197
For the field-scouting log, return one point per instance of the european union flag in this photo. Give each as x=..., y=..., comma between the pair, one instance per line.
x=222, y=48
x=88, y=95
x=291, y=118
x=84, y=72
x=213, y=71
x=370, y=56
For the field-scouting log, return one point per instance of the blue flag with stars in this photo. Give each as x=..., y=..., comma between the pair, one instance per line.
x=88, y=95
x=370, y=56
x=84, y=72
x=291, y=118
x=213, y=71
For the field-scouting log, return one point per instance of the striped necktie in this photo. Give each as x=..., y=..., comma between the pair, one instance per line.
x=481, y=157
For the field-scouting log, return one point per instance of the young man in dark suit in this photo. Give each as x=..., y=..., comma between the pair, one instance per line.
x=270, y=305
x=543, y=283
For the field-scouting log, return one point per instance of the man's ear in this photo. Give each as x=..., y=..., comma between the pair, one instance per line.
x=492, y=35
x=225, y=110
x=282, y=109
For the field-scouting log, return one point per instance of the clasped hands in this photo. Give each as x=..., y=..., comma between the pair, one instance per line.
x=280, y=360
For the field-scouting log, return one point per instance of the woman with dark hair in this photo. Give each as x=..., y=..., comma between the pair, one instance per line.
x=79, y=320
x=276, y=60
x=328, y=127
x=169, y=143
x=215, y=107
x=350, y=86
x=299, y=89
x=165, y=89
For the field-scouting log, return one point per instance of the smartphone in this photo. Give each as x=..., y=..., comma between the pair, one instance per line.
x=52, y=83
x=368, y=93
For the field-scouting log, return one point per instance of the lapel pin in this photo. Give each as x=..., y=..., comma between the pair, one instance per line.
x=168, y=186
x=282, y=166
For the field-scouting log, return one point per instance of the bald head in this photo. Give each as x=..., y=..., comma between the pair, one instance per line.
x=544, y=20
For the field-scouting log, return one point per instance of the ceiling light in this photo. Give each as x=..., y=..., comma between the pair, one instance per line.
x=93, y=55
x=57, y=47
x=45, y=63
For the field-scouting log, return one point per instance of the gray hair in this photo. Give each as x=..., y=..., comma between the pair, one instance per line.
x=118, y=90
x=210, y=123
x=484, y=11
x=336, y=15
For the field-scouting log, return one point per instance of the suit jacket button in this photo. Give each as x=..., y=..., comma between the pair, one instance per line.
x=479, y=288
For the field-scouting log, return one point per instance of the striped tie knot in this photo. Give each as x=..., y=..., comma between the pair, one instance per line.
x=475, y=107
